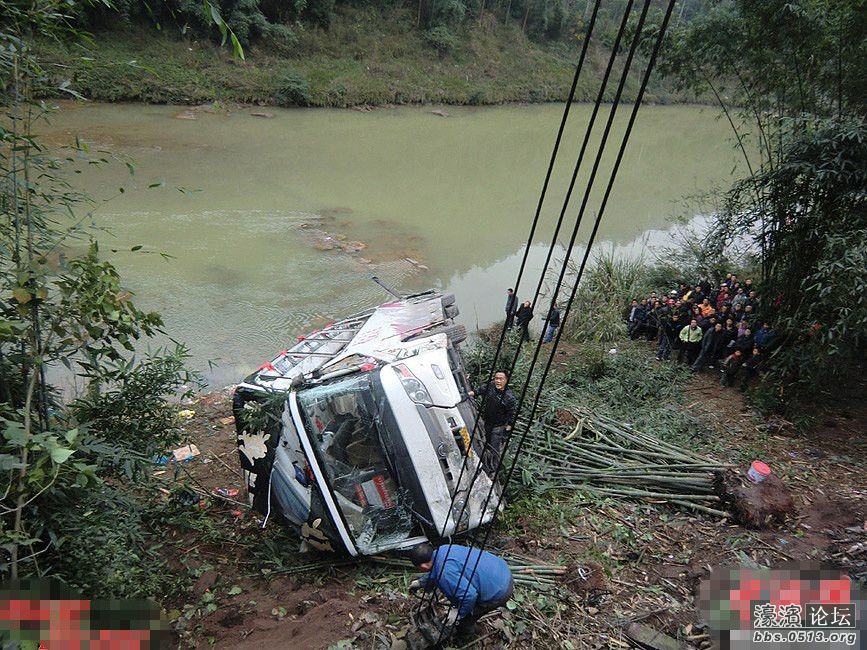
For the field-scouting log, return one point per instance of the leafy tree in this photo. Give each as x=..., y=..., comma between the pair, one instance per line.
x=791, y=81
x=441, y=38
x=188, y=16
x=543, y=19
x=58, y=308
x=241, y=21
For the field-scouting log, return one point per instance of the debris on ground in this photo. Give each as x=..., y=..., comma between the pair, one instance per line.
x=225, y=492
x=849, y=551
x=187, y=452
x=646, y=637
x=188, y=497
x=586, y=580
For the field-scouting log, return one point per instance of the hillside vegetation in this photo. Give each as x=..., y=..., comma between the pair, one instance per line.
x=365, y=56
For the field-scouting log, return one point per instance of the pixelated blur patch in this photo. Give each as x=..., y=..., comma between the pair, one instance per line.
x=786, y=606
x=42, y=613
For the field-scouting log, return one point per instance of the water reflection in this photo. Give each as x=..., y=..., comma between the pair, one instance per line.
x=481, y=290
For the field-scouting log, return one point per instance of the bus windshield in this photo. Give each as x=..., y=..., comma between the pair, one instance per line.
x=341, y=420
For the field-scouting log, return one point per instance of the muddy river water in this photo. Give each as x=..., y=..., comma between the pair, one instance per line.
x=274, y=223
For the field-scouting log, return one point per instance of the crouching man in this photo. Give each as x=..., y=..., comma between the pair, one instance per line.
x=473, y=589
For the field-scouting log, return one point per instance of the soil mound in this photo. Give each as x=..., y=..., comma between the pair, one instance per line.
x=755, y=505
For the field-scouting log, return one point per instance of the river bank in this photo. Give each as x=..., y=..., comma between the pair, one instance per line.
x=366, y=57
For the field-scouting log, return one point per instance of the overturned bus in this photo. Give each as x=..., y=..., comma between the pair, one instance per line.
x=357, y=435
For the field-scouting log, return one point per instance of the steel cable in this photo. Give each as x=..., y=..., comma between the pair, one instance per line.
x=597, y=103
x=588, y=132
x=603, y=205
x=578, y=68
x=589, y=186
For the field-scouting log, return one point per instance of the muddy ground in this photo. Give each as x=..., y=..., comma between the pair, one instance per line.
x=639, y=561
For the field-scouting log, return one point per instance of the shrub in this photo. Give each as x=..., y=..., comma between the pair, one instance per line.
x=279, y=38
x=109, y=549
x=447, y=12
x=291, y=89
x=441, y=39
x=134, y=410
x=320, y=12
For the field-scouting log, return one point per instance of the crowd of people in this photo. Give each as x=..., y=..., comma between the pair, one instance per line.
x=701, y=325
x=706, y=327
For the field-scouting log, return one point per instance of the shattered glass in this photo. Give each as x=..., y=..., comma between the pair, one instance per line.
x=341, y=421
x=385, y=527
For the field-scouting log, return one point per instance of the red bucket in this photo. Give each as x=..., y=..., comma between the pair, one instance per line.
x=758, y=471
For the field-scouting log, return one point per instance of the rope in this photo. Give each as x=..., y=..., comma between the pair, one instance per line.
x=585, y=258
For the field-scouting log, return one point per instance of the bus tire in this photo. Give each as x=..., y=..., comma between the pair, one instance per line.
x=455, y=333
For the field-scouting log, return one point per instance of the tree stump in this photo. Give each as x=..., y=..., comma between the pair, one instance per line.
x=755, y=505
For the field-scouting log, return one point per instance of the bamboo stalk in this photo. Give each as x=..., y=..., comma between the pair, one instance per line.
x=623, y=472
x=622, y=491
x=697, y=506
x=578, y=481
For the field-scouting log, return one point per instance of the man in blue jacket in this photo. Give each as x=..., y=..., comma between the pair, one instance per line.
x=475, y=582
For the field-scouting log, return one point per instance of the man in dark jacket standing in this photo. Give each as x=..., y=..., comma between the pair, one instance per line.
x=668, y=337
x=653, y=320
x=511, y=308
x=635, y=319
x=629, y=312
x=729, y=334
x=709, y=342
x=551, y=324
x=500, y=408
x=523, y=317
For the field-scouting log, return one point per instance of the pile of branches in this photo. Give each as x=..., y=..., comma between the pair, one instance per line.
x=611, y=459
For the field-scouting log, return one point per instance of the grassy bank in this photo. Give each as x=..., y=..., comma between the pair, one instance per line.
x=367, y=57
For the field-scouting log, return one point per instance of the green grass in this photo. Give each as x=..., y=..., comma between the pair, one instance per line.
x=368, y=56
